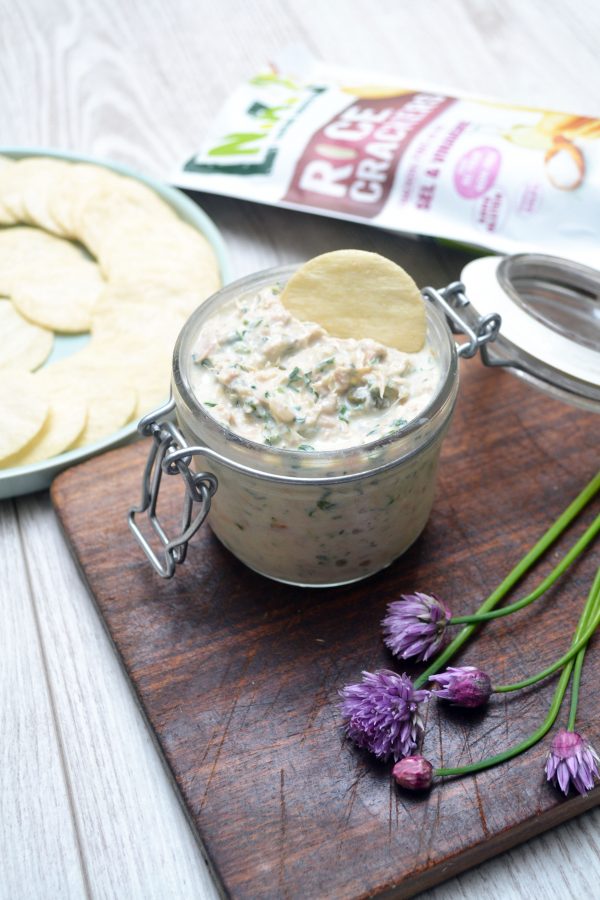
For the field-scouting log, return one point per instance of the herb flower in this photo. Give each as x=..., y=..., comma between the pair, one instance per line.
x=381, y=713
x=463, y=686
x=415, y=625
x=415, y=773
x=572, y=762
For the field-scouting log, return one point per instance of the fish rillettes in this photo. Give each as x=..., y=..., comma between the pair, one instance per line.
x=322, y=501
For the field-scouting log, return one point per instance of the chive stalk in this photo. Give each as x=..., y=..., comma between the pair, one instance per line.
x=591, y=611
x=584, y=541
x=577, y=645
x=530, y=558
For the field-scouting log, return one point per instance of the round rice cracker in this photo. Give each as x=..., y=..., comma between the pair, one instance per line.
x=61, y=295
x=113, y=204
x=15, y=181
x=23, y=344
x=175, y=279
x=200, y=277
x=185, y=300
x=135, y=328
x=147, y=372
x=64, y=423
x=23, y=411
x=153, y=386
x=356, y=294
x=53, y=257
x=139, y=341
x=110, y=398
x=19, y=246
x=145, y=319
x=6, y=217
x=150, y=295
x=150, y=376
x=70, y=193
x=43, y=175
x=169, y=252
x=87, y=184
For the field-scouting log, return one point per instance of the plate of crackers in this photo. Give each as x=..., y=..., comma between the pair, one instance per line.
x=99, y=269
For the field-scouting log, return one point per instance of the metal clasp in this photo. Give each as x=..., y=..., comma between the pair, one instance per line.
x=482, y=331
x=170, y=455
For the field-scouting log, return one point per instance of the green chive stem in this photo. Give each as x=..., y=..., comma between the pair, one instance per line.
x=574, y=702
x=566, y=658
x=524, y=745
x=563, y=565
x=555, y=530
x=577, y=669
x=548, y=722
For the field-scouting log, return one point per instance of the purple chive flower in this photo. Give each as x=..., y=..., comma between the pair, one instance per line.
x=415, y=773
x=381, y=713
x=463, y=686
x=415, y=625
x=572, y=761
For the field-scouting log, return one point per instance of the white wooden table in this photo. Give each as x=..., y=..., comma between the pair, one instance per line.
x=86, y=808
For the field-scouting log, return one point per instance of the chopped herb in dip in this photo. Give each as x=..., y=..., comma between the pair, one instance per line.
x=278, y=381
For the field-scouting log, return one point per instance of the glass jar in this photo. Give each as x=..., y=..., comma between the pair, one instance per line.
x=311, y=518
x=329, y=518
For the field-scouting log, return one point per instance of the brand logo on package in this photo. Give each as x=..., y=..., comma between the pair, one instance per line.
x=350, y=163
x=271, y=103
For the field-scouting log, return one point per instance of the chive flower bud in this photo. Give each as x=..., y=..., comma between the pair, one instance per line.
x=415, y=773
x=381, y=713
x=572, y=762
x=415, y=626
x=463, y=686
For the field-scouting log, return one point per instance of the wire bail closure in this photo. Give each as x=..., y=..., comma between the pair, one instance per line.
x=485, y=329
x=170, y=455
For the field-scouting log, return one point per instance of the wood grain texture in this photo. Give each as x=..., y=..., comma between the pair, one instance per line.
x=139, y=82
x=39, y=843
x=239, y=676
x=124, y=806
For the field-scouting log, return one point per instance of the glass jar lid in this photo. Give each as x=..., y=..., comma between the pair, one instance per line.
x=550, y=331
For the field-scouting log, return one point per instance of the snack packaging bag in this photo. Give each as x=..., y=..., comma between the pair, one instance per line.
x=340, y=143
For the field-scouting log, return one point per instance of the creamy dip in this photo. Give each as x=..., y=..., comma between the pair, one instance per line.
x=275, y=380
x=323, y=519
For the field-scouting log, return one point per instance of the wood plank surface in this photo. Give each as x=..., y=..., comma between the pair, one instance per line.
x=39, y=841
x=123, y=806
x=239, y=676
x=139, y=82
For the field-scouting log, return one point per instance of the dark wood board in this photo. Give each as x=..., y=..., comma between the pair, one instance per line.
x=238, y=676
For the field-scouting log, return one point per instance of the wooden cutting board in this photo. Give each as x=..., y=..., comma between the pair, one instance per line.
x=239, y=676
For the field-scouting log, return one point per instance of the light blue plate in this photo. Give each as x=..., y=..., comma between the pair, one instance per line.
x=37, y=477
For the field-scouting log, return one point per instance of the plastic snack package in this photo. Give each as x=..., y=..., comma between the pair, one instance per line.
x=341, y=143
